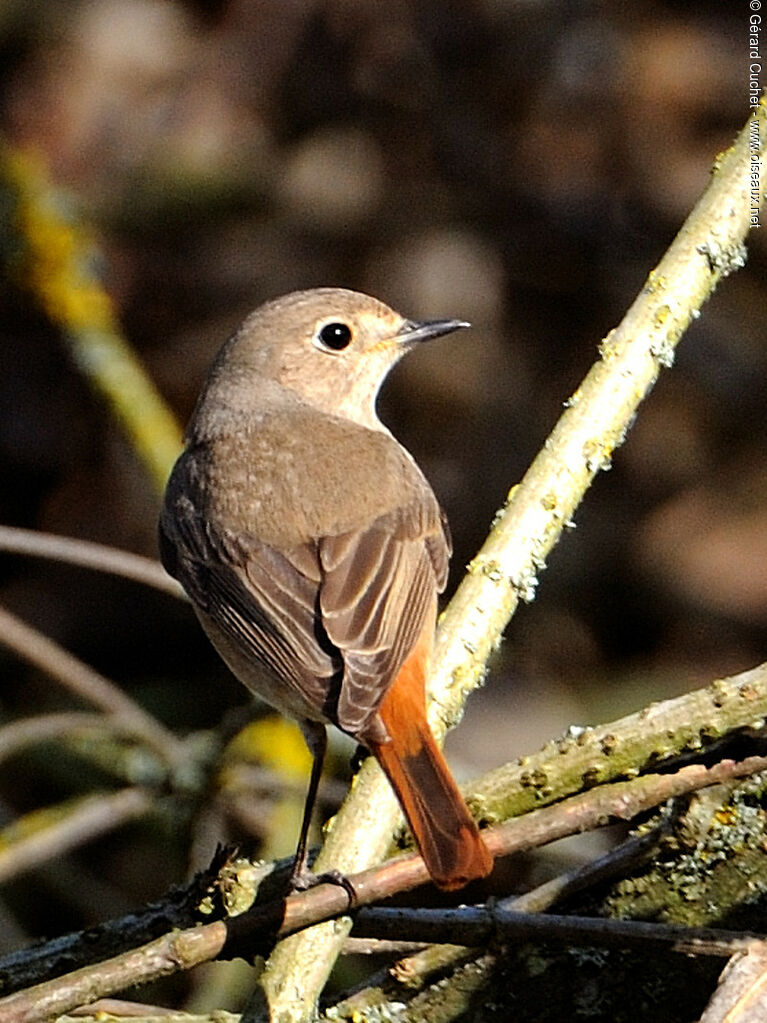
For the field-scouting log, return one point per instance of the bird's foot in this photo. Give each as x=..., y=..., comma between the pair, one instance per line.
x=303, y=879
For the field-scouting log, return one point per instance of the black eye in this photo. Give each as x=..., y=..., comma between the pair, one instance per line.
x=335, y=336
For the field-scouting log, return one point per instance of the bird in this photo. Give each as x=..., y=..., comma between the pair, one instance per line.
x=313, y=549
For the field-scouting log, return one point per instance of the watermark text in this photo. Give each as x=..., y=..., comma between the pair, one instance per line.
x=755, y=63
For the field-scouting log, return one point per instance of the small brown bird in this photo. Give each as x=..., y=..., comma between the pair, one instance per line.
x=313, y=548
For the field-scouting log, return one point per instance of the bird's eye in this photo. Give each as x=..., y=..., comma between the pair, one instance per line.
x=335, y=336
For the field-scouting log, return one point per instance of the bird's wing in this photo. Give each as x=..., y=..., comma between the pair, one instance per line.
x=378, y=593
x=263, y=599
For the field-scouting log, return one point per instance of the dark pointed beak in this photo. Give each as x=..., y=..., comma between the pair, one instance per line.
x=414, y=331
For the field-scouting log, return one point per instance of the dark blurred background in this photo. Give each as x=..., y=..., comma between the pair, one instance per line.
x=519, y=163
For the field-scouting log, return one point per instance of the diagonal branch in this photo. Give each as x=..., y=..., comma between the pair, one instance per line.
x=37, y=649
x=56, y=264
x=17, y=735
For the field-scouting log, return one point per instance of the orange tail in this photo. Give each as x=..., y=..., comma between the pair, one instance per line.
x=447, y=834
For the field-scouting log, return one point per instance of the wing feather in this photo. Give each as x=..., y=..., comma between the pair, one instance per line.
x=378, y=592
x=264, y=600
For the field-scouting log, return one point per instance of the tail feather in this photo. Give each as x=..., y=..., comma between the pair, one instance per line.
x=447, y=834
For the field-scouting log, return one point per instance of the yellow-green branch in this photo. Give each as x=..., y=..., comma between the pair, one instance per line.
x=55, y=259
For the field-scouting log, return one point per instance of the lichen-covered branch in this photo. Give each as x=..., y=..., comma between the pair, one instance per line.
x=657, y=733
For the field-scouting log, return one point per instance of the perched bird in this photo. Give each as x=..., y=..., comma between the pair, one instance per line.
x=313, y=549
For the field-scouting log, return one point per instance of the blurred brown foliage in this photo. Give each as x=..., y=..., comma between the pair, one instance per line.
x=520, y=165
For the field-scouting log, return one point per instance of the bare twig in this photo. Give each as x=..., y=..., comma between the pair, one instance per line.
x=59, y=829
x=479, y=926
x=87, y=554
x=617, y=861
x=36, y=648
x=17, y=735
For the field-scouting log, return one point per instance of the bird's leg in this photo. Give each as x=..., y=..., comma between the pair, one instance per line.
x=317, y=740
x=301, y=877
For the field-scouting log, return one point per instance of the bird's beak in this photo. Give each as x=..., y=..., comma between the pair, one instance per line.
x=414, y=331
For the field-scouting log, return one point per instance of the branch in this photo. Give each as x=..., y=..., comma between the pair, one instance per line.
x=589, y=809
x=45, y=834
x=36, y=648
x=708, y=247
x=422, y=966
x=87, y=554
x=106, y=741
x=17, y=735
x=654, y=735
x=479, y=926
x=178, y=909
x=182, y=950
x=179, y=950
x=420, y=989
x=618, y=862
x=58, y=267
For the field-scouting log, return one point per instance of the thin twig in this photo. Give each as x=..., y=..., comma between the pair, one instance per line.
x=59, y=829
x=614, y=863
x=479, y=926
x=36, y=648
x=87, y=554
x=17, y=735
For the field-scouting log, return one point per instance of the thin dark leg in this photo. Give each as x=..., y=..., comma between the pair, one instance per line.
x=300, y=876
x=316, y=738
